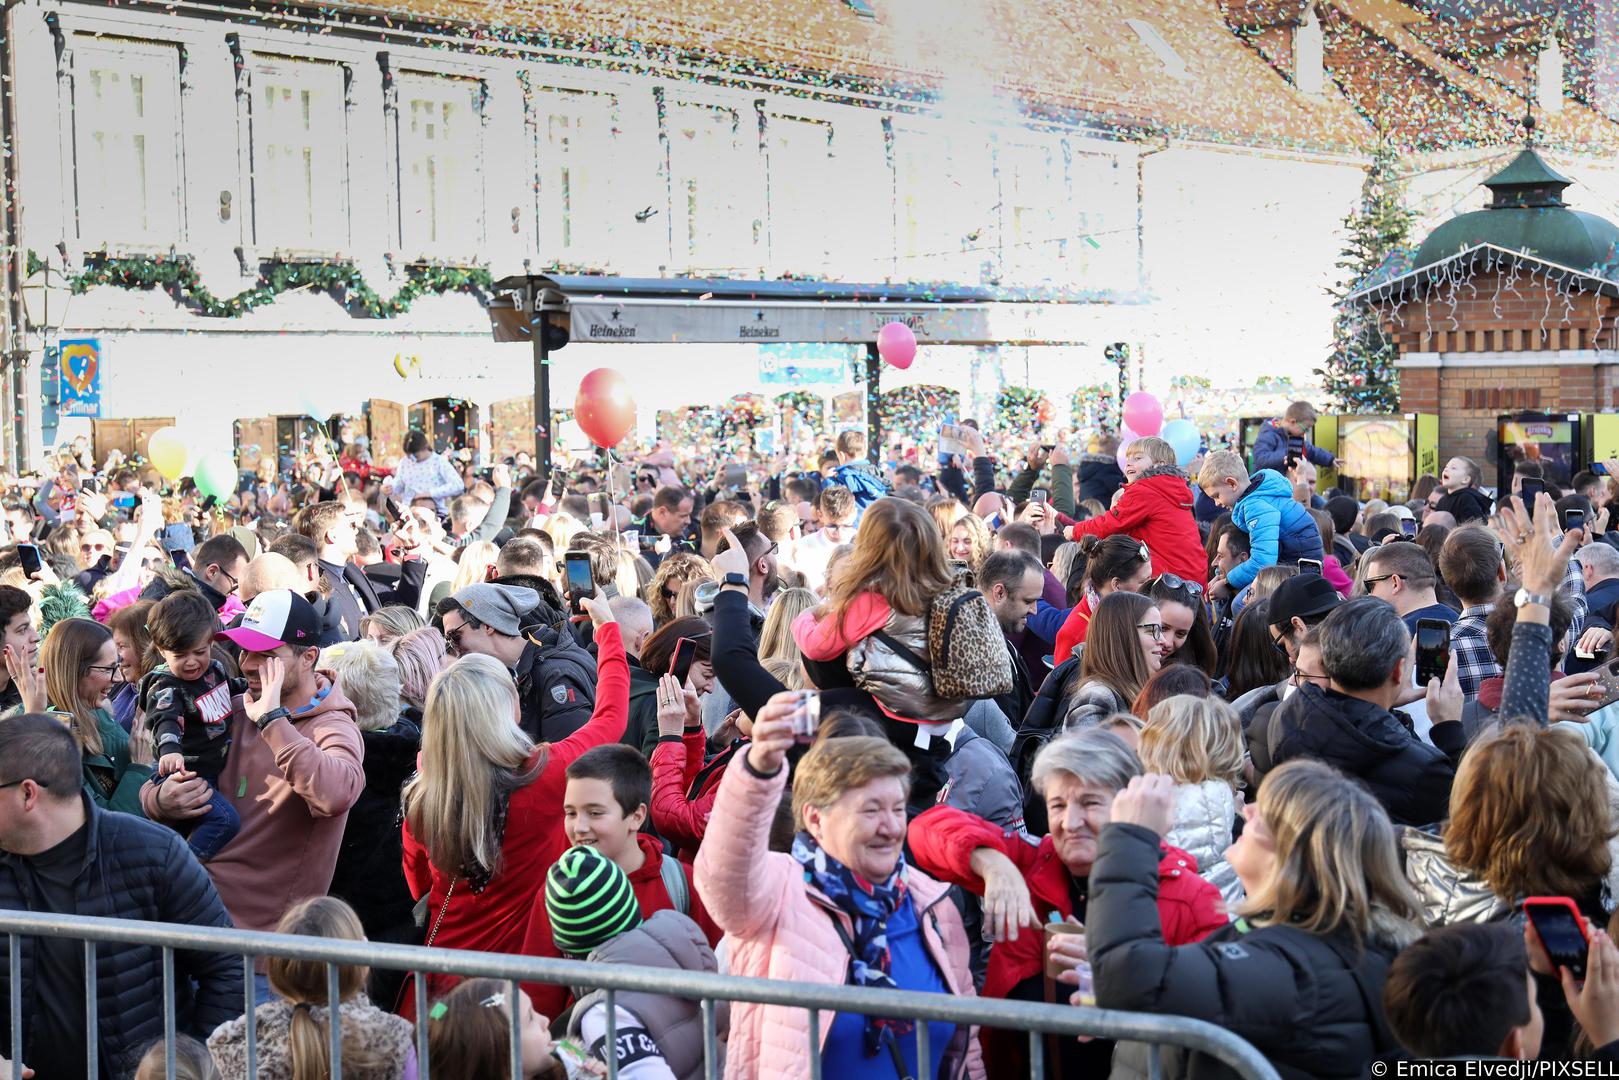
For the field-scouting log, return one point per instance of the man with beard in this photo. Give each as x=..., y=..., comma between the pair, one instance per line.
x=762, y=577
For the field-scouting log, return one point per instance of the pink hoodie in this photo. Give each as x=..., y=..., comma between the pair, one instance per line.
x=826, y=638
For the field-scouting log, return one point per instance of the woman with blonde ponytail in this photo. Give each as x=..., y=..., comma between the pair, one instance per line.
x=294, y=1036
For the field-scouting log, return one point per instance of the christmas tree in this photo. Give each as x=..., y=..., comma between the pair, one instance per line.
x=1359, y=375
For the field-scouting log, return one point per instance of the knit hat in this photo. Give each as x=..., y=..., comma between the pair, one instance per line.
x=500, y=607
x=589, y=900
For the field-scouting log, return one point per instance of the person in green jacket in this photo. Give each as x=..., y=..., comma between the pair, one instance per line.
x=81, y=662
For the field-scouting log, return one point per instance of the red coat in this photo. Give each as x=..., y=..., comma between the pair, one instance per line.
x=1073, y=632
x=496, y=919
x=1157, y=510
x=942, y=841
x=652, y=895
x=675, y=766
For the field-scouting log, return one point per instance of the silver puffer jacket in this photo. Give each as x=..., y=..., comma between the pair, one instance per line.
x=899, y=685
x=1204, y=816
x=1090, y=704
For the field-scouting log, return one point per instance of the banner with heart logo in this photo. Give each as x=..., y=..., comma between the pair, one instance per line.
x=80, y=382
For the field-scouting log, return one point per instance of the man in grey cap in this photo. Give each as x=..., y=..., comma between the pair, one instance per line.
x=556, y=679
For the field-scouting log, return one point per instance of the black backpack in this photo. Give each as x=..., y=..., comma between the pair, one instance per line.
x=1040, y=724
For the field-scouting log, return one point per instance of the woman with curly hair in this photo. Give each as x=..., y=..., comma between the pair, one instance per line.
x=674, y=572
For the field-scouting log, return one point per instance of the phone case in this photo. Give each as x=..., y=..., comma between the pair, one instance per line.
x=1562, y=902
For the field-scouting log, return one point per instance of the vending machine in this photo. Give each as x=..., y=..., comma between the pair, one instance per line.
x=1379, y=457
x=1556, y=440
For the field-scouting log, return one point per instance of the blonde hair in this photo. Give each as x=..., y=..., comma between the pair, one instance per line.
x=946, y=511
x=1193, y=739
x=834, y=766
x=898, y=554
x=1220, y=466
x=66, y=652
x=679, y=567
x=852, y=443
x=1157, y=450
x=1268, y=580
x=473, y=757
x=1336, y=862
x=303, y=982
x=978, y=534
x=368, y=677
x=790, y=673
x=1529, y=813
x=477, y=559
x=776, y=638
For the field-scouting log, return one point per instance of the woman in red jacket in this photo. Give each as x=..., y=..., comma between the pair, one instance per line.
x=1024, y=884
x=483, y=817
x=1117, y=564
x=1156, y=508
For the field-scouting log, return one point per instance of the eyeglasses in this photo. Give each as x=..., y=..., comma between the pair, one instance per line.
x=1299, y=678
x=1279, y=642
x=109, y=669
x=14, y=783
x=234, y=581
x=1152, y=629
x=452, y=638
x=1175, y=581
x=1367, y=583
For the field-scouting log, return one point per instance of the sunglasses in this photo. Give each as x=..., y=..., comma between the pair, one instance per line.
x=452, y=639
x=1175, y=581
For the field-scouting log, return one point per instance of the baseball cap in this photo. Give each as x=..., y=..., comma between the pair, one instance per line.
x=275, y=618
x=1401, y=511
x=1301, y=596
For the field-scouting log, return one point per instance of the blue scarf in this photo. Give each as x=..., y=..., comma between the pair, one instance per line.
x=869, y=907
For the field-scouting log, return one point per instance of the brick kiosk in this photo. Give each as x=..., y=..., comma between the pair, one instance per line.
x=1496, y=317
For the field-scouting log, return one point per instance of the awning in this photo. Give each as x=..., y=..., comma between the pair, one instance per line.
x=608, y=310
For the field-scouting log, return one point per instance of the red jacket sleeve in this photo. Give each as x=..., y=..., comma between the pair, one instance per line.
x=548, y=999
x=1130, y=512
x=681, y=821
x=1190, y=909
x=699, y=913
x=943, y=840
x=612, y=712
x=418, y=870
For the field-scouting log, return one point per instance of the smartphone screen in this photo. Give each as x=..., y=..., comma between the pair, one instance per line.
x=180, y=559
x=210, y=502
x=1573, y=519
x=581, y=585
x=1560, y=932
x=391, y=508
x=1040, y=495
x=1310, y=566
x=1433, y=650
x=1530, y=492
x=1408, y=526
x=31, y=561
x=735, y=476
x=685, y=653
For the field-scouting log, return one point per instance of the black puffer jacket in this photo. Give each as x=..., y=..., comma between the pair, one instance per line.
x=133, y=869
x=1409, y=777
x=1099, y=478
x=1293, y=994
x=370, y=871
x=1468, y=504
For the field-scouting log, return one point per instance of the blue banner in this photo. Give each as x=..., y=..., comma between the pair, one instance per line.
x=79, y=385
x=808, y=363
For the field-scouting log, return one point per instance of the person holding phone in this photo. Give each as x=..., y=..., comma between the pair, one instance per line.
x=555, y=677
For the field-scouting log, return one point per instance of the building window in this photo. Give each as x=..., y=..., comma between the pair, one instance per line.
x=441, y=165
x=1032, y=197
x=299, y=165
x=801, y=184
x=126, y=117
x=573, y=150
x=717, y=190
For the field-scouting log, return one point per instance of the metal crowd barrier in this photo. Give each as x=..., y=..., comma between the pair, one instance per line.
x=1036, y=1019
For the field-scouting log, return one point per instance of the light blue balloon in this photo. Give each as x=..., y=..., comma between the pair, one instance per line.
x=1183, y=436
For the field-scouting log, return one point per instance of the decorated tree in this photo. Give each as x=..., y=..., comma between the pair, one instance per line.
x=915, y=412
x=1359, y=375
x=1022, y=410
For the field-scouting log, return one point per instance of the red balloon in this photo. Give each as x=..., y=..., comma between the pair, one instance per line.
x=604, y=408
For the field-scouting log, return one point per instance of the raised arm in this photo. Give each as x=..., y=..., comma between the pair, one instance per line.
x=612, y=711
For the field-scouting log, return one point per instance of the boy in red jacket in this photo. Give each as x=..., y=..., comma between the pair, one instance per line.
x=1155, y=508
x=604, y=807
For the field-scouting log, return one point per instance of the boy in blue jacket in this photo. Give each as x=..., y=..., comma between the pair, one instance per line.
x=1279, y=529
x=1281, y=439
x=856, y=473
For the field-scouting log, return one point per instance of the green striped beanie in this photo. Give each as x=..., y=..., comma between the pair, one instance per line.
x=589, y=900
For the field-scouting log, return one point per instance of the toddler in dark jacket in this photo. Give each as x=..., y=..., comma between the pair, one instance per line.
x=187, y=701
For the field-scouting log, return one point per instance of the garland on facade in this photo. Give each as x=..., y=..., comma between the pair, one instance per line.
x=1022, y=410
x=178, y=277
x=917, y=411
x=1094, y=407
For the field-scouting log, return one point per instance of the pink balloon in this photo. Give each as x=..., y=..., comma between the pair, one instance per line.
x=1124, y=450
x=896, y=344
x=604, y=407
x=1143, y=414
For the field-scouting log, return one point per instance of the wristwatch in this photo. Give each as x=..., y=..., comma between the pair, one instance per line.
x=1524, y=596
x=733, y=578
x=271, y=717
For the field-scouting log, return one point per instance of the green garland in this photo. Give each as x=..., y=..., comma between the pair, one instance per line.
x=179, y=278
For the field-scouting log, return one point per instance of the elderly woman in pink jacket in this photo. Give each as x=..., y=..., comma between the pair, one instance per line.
x=842, y=908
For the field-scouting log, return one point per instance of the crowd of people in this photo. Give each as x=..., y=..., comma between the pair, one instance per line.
x=1214, y=743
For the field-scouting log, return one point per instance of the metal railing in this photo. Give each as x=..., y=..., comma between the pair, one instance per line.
x=1037, y=1020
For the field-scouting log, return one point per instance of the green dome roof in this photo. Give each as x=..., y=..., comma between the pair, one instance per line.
x=1527, y=213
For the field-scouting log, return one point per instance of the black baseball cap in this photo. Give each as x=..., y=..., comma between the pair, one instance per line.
x=1302, y=596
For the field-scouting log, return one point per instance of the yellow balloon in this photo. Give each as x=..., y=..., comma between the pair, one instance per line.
x=167, y=452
